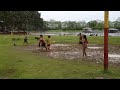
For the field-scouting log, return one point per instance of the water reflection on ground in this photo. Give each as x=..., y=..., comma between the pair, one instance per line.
x=95, y=53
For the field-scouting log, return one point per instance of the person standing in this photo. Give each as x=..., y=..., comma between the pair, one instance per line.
x=80, y=38
x=84, y=44
x=42, y=42
x=48, y=42
x=26, y=40
x=13, y=39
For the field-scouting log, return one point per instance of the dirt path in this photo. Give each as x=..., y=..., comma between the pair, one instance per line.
x=74, y=51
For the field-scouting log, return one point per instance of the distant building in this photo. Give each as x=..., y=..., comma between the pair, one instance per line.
x=112, y=30
x=87, y=30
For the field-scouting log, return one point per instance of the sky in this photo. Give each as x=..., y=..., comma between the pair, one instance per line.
x=78, y=15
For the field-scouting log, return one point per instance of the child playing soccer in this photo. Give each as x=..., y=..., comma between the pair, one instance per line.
x=48, y=42
x=25, y=40
x=42, y=42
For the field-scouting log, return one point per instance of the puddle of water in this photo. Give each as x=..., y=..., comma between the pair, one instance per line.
x=95, y=47
x=60, y=45
x=72, y=58
x=56, y=52
x=114, y=55
x=71, y=53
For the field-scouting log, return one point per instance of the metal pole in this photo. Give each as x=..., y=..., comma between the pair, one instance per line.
x=106, y=17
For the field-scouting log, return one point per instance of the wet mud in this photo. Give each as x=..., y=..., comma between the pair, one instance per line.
x=95, y=52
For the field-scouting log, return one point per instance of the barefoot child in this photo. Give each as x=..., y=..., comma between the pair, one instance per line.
x=25, y=40
x=80, y=38
x=48, y=42
x=84, y=43
x=42, y=42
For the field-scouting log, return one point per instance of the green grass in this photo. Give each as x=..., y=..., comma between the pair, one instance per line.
x=18, y=64
x=6, y=40
x=91, y=39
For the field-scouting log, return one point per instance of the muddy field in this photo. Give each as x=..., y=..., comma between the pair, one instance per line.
x=95, y=52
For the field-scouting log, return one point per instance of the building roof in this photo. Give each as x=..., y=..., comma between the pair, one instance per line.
x=87, y=28
x=113, y=29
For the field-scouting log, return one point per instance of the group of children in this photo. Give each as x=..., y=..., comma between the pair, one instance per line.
x=83, y=40
x=44, y=43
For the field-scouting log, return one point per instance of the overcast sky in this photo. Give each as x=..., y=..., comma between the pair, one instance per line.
x=78, y=15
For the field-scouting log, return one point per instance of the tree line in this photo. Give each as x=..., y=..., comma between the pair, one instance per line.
x=73, y=25
x=20, y=20
x=31, y=21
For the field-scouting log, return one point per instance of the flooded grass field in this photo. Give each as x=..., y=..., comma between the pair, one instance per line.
x=64, y=60
x=95, y=52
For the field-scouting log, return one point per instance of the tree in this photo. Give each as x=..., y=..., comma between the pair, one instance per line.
x=92, y=24
x=117, y=23
x=21, y=20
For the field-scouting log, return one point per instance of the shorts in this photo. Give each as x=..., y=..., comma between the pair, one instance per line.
x=48, y=45
x=25, y=40
x=43, y=45
x=80, y=42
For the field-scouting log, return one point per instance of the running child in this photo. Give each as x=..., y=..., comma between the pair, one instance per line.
x=25, y=40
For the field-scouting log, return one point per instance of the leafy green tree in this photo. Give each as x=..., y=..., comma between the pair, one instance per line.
x=117, y=23
x=92, y=24
x=21, y=20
